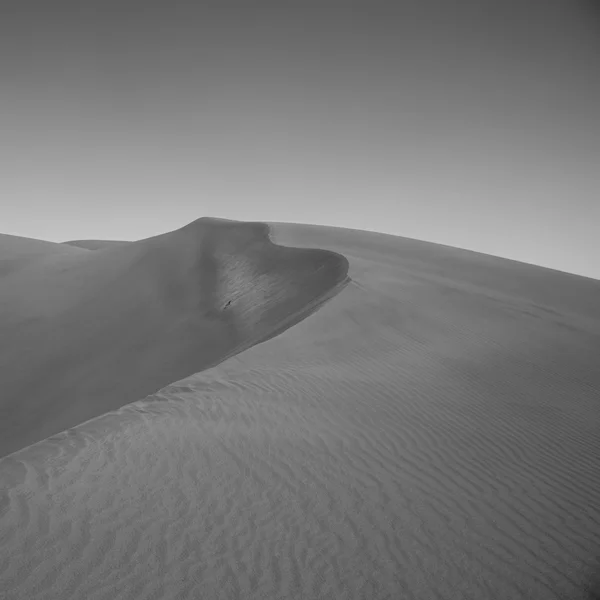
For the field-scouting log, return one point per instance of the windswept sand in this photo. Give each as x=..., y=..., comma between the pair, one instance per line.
x=431, y=432
x=85, y=332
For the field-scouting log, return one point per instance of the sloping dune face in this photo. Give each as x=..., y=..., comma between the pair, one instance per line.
x=430, y=433
x=17, y=252
x=86, y=332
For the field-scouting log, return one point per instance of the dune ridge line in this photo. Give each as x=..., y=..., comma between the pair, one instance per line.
x=87, y=331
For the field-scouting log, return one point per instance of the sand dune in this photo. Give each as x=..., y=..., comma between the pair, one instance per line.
x=17, y=252
x=430, y=433
x=86, y=332
x=95, y=244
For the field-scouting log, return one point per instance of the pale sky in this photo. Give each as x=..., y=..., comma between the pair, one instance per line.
x=472, y=123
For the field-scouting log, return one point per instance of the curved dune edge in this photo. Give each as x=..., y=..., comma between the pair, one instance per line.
x=431, y=433
x=248, y=290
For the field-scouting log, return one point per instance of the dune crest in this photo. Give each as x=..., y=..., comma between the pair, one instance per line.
x=431, y=433
x=85, y=332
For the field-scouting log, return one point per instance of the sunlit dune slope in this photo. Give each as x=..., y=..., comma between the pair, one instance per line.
x=431, y=433
x=17, y=252
x=85, y=332
x=94, y=244
x=484, y=275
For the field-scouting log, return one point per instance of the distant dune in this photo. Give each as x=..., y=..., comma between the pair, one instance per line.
x=430, y=433
x=86, y=332
x=17, y=252
x=95, y=244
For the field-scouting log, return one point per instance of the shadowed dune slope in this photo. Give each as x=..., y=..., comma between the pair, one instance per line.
x=86, y=332
x=431, y=433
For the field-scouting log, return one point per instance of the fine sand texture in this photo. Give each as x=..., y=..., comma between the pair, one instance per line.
x=85, y=332
x=431, y=432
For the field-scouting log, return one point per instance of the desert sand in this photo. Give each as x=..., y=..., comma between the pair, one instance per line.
x=87, y=332
x=340, y=414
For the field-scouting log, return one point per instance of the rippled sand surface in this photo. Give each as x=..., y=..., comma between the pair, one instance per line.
x=430, y=432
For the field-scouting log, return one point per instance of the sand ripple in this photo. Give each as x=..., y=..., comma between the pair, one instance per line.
x=405, y=441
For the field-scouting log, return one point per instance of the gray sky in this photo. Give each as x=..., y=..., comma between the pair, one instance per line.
x=469, y=123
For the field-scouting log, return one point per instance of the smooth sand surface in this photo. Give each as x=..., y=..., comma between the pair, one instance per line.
x=95, y=244
x=18, y=252
x=431, y=432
